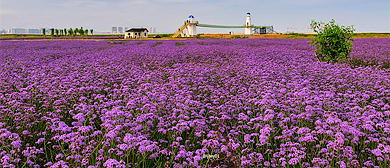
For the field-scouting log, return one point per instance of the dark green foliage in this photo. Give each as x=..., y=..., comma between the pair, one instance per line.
x=165, y=35
x=179, y=43
x=239, y=37
x=333, y=43
x=157, y=43
x=57, y=32
x=76, y=31
x=65, y=32
x=91, y=30
x=386, y=65
x=52, y=31
x=44, y=32
x=70, y=32
x=361, y=63
x=86, y=32
x=81, y=31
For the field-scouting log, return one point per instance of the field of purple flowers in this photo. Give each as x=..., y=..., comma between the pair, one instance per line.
x=206, y=103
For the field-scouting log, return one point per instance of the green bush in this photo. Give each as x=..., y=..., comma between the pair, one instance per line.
x=239, y=37
x=179, y=43
x=70, y=32
x=52, y=31
x=57, y=32
x=333, y=43
x=165, y=35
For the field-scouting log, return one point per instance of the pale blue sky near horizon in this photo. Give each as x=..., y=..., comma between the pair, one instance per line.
x=168, y=15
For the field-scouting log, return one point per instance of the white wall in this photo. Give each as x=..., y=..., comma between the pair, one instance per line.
x=136, y=35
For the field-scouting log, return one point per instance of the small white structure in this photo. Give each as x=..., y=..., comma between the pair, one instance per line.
x=248, y=29
x=191, y=26
x=136, y=33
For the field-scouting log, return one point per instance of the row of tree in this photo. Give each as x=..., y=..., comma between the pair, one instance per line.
x=68, y=32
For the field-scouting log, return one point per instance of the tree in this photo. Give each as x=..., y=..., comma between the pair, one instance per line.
x=333, y=43
x=52, y=31
x=70, y=31
x=44, y=31
x=57, y=32
x=61, y=32
x=76, y=31
x=91, y=30
x=81, y=31
x=86, y=32
x=65, y=32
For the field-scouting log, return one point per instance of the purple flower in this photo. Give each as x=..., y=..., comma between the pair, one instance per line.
x=243, y=117
x=111, y=163
x=342, y=164
x=16, y=144
x=123, y=147
x=94, y=102
x=60, y=164
x=267, y=164
x=268, y=117
x=40, y=140
x=293, y=161
x=377, y=152
x=80, y=117
x=26, y=132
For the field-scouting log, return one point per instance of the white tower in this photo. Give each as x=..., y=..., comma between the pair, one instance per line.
x=248, y=29
x=191, y=26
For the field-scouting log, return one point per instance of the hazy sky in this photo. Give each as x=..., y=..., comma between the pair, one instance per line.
x=168, y=15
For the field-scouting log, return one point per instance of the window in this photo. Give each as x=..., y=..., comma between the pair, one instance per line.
x=145, y=34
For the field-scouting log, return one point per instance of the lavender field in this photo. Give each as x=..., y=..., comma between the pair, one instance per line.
x=195, y=103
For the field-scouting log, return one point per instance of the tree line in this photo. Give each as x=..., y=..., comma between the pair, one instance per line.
x=68, y=32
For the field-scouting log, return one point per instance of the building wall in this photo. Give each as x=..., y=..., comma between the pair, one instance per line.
x=136, y=35
x=114, y=30
x=17, y=31
x=34, y=31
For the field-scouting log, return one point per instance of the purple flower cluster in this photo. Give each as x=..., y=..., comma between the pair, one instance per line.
x=204, y=103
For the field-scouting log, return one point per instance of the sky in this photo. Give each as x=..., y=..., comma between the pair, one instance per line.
x=168, y=15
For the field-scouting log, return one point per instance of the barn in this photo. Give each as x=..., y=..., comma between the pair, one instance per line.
x=136, y=33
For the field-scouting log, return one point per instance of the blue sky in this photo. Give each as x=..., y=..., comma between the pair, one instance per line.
x=168, y=15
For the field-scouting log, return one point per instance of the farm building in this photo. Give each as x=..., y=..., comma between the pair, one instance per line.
x=136, y=33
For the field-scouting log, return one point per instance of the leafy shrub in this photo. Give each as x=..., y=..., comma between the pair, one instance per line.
x=386, y=65
x=165, y=35
x=361, y=63
x=52, y=31
x=333, y=43
x=157, y=43
x=239, y=37
x=179, y=43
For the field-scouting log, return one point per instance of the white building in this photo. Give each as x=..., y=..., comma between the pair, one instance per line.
x=120, y=29
x=17, y=31
x=136, y=33
x=34, y=31
x=191, y=26
x=248, y=24
x=114, y=30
